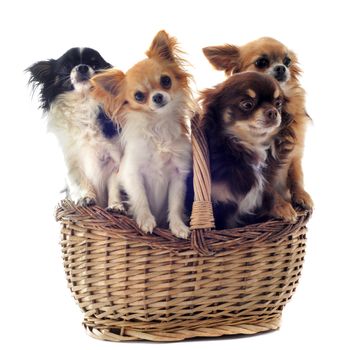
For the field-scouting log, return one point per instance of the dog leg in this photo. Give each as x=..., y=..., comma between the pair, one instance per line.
x=282, y=209
x=296, y=185
x=177, y=188
x=81, y=189
x=135, y=189
x=114, y=200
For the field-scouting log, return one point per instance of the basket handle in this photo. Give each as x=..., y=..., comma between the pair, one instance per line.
x=202, y=218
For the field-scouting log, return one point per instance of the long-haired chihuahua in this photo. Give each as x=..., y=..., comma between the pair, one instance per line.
x=151, y=102
x=269, y=56
x=240, y=118
x=89, y=140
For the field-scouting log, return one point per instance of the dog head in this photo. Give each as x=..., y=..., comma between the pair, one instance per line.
x=246, y=106
x=154, y=86
x=265, y=55
x=71, y=71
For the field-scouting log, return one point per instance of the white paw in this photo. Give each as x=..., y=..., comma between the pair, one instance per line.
x=86, y=201
x=146, y=222
x=179, y=229
x=117, y=208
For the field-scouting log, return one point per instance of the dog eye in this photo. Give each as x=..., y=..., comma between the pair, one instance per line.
x=278, y=104
x=287, y=61
x=262, y=62
x=246, y=105
x=165, y=82
x=139, y=96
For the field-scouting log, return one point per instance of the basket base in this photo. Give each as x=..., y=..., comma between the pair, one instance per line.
x=115, y=333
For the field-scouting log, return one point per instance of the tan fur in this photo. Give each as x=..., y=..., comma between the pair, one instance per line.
x=156, y=145
x=288, y=183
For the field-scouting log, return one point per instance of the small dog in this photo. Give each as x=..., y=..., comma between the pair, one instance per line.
x=151, y=101
x=87, y=137
x=240, y=118
x=269, y=56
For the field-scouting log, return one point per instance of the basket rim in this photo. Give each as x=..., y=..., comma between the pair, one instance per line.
x=97, y=223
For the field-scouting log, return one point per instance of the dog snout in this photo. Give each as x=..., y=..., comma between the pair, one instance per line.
x=271, y=115
x=82, y=73
x=158, y=98
x=280, y=72
x=83, y=68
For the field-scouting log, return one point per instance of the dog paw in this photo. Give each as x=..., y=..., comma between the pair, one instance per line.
x=179, y=229
x=146, y=222
x=284, y=211
x=303, y=199
x=117, y=208
x=86, y=201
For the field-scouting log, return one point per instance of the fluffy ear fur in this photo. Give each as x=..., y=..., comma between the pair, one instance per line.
x=163, y=47
x=108, y=88
x=40, y=72
x=42, y=77
x=225, y=57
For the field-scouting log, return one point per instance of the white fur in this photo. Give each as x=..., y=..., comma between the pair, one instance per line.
x=253, y=199
x=90, y=157
x=156, y=161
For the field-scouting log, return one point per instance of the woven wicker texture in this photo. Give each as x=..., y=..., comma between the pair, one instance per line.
x=131, y=285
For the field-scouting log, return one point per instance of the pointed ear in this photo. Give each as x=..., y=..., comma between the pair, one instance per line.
x=224, y=57
x=108, y=81
x=41, y=71
x=107, y=87
x=163, y=46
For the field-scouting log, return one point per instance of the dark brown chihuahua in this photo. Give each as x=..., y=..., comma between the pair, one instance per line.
x=240, y=118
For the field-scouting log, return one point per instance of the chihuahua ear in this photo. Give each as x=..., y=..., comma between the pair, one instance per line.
x=108, y=81
x=108, y=89
x=163, y=46
x=41, y=72
x=225, y=57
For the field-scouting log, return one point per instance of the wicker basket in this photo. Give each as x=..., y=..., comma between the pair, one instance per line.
x=132, y=285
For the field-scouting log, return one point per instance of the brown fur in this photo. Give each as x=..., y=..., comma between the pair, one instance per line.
x=116, y=90
x=286, y=171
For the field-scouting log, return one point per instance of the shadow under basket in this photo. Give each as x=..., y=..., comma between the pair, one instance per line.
x=131, y=285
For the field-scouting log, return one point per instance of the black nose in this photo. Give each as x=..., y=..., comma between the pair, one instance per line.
x=280, y=69
x=158, y=99
x=279, y=72
x=83, y=68
x=270, y=114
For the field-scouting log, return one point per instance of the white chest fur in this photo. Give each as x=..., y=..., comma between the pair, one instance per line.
x=88, y=154
x=157, y=151
x=253, y=199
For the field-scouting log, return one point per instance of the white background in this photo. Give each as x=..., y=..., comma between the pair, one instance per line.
x=37, y=310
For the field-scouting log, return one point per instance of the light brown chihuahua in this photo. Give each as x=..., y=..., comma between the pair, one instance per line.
x=269, y=56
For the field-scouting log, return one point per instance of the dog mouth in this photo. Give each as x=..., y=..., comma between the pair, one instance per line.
x=82, y=77
x=265, y=126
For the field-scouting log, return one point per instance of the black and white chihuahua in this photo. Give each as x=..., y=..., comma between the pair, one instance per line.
x=88, y=138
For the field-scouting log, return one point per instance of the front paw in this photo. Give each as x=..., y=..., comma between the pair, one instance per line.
x=303, y=199
x=86, y=201
x=146, y=222
x=117, y=208
x=179, y=229
x=284, y=210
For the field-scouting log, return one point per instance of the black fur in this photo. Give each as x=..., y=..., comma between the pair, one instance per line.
x=107, y=126
x=52, y=76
